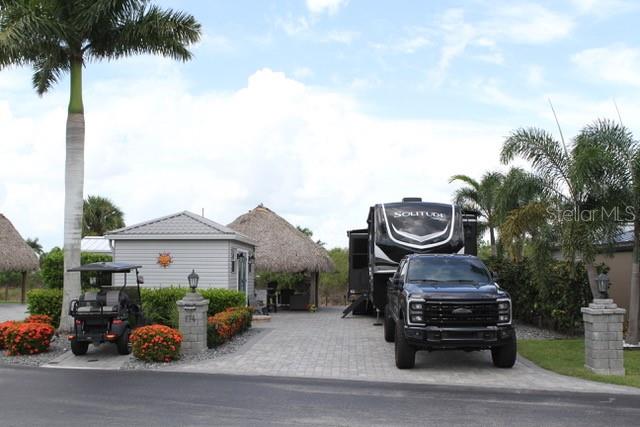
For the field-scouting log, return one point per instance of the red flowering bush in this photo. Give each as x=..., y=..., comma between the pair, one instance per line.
x=4, y=327
x=39, y=318
x=224, y=325
x=156, y=343
x=27, y=338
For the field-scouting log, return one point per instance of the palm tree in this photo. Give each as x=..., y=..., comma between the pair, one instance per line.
x=35, y=245
x=100, y=215
x=564, y=186
x=610, y=158
x=483, y=197
x=57, y=37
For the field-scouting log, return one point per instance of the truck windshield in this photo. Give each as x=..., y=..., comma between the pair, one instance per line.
x=447, y=269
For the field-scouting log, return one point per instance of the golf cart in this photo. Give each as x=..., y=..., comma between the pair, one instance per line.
x=109, y=313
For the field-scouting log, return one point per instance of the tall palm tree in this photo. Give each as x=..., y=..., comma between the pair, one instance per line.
x=100, y=215
x=481, y=196
x=609, y=157
x=565, y=187
x=35, y=245
x=57, y=37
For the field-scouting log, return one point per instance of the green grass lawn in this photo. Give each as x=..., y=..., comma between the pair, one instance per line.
x=567, y=357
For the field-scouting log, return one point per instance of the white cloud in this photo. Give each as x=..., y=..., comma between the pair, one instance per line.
x=524, y=23
x=616, y=63
x=535, y=75
x=293, y=25
x=329, y=6
x=605, y=8
x=310, y=154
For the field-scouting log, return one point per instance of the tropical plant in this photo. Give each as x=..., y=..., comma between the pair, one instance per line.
x=156, y=343
x=35, y=245
x=609, y=156
x=564, y=185
x=57, y=37
x=481, y=196
x=100, y=215
x=333, y=285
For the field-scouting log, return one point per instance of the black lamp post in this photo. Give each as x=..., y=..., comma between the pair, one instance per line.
x=193, y=280
x=603, y=285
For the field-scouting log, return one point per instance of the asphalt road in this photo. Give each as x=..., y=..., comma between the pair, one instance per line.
x=57, y=397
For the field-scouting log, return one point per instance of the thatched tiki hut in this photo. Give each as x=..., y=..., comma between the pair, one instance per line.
x=282, y=248
x=15, y=254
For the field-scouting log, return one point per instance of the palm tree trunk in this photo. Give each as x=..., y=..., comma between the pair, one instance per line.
x=592, y=275
x=634, y=290
x=492, y=238
x=73, y=197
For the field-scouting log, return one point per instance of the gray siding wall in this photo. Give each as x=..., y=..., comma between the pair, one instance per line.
x=210, y=258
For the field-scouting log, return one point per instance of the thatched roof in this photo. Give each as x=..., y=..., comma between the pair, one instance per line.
x=15, y=254
x=281, y=247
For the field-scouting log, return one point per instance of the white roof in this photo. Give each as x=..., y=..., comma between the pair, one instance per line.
x=178, y=226
x=95, y=244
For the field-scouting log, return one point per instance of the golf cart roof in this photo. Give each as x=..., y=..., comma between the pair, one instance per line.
x=111, y=267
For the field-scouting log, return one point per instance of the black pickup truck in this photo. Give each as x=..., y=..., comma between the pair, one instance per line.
x=447, y=302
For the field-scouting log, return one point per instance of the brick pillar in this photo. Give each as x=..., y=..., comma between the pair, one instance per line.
x=603, y=337
x=192, y=321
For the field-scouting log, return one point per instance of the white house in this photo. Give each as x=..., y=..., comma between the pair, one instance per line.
x=169, y=248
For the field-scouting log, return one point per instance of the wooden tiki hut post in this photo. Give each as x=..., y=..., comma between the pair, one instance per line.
x=15, y=255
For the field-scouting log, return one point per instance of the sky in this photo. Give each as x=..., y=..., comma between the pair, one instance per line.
x=319, y=108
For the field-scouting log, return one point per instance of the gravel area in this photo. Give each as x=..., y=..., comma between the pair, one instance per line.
x=210, y=354
x=530, y=332
x=58, y=346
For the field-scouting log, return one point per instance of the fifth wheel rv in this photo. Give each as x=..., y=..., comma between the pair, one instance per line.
x=398, y=229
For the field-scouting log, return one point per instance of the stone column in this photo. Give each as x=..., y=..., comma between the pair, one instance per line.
x=192, y=321
x=603, y=337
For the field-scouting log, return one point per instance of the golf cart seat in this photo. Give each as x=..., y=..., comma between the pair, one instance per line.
x=107, y=302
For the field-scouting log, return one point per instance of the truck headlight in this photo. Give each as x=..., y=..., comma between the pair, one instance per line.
x=504, y=311
x=415, y=318
x=417, y=306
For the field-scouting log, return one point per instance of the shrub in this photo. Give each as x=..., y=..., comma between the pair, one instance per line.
x=156, y=343
x=4, y=327
x=28, y=338
x=45, y=301
x=53, y=268
x=159, y=305
x=223, y=326
x=221, y=299
x=39, y=318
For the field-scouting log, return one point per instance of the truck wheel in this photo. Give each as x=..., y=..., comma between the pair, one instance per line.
x=124, y=346
x=78, y=348
x=405, y=354
x=505, y=355
x=389, y=325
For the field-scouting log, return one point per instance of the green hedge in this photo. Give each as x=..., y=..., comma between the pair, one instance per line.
x=45, y=301
x=548, y=294
x=53, y=268
x=159, y=305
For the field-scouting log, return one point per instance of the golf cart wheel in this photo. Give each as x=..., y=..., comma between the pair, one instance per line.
x=79, y=348
x=123, y=344
x=505, y=355
x=389, y=325
x=405, y=353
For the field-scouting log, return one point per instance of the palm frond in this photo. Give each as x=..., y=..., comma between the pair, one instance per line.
x=466, y=179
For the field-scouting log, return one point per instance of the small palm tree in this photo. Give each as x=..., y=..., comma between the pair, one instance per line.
x=609, y=158
x=57, y=37
x=35, y=245
x=481, y=196
x=100, y=215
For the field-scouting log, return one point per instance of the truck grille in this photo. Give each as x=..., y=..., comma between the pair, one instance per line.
x=461, y=313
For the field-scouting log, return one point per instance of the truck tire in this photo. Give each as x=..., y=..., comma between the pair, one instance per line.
x=505, y=355
x=405, y=354
x=79, y=348
x=123, y=344
x=389, y=325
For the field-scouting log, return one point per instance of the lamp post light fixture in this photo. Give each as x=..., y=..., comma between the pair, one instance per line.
x=193, y=280
x=603, y=285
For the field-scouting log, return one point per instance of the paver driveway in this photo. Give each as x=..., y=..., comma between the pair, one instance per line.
x=322, y=345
